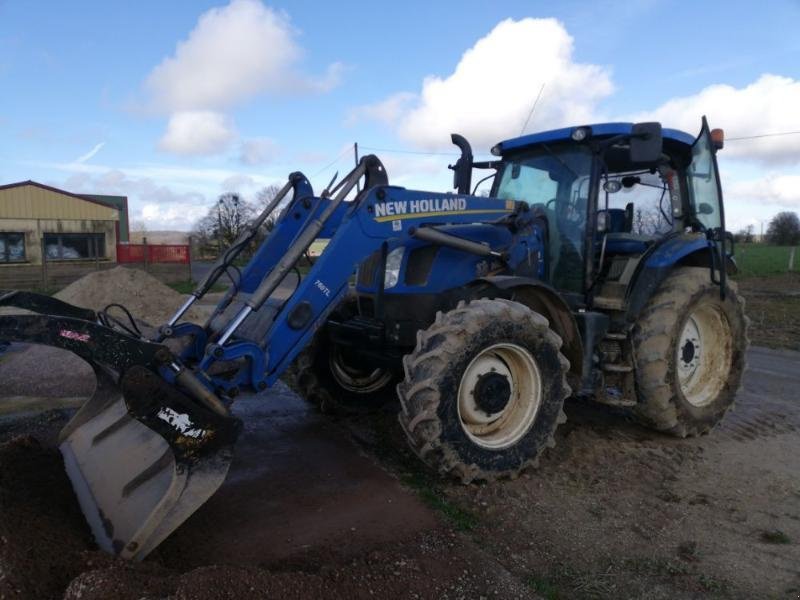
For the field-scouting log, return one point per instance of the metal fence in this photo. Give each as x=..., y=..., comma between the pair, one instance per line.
x=153, y=253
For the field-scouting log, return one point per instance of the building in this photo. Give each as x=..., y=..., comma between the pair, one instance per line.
x=73, y=232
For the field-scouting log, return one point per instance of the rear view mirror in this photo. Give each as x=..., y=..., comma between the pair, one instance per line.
x=646, y=142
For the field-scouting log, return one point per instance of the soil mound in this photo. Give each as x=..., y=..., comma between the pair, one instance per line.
x=43, y=536
x=142, y=294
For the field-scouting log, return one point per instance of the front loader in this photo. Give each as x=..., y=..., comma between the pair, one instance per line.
x=481, y=314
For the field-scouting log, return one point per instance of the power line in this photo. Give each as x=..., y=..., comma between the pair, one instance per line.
x=334, y=161
x=398, y=151
x=761, y=135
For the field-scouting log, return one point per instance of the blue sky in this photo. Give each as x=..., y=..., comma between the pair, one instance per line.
x=172, y=103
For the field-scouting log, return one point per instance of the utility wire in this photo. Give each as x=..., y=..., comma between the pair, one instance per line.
x=761, y=135
x=334, y=161
x=398, y=151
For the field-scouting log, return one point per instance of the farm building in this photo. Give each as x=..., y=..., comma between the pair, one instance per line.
x=71, y=232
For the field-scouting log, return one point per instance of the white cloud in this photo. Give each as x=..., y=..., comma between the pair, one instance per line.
x=768, y=105
x=235, y=183
x=257, y=151
x=197, y=133
x=490, y=93
x=779, y=189
x=157, y=205
x=233, y=54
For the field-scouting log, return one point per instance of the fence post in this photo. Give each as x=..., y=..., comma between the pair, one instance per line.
x=189, y=255
x=44, y=266
x=791, y=258
x=144, y=244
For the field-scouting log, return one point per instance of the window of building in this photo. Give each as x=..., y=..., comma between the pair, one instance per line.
x=74, y=246
x=12, y=247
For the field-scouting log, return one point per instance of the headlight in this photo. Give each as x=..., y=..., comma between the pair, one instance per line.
x=393, y=261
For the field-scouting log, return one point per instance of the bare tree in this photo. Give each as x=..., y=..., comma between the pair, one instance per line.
x=223, y=223
x=263, y=198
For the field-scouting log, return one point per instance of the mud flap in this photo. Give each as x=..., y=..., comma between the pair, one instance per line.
x=142, y=457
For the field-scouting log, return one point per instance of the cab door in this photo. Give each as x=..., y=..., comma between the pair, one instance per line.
x=705, y=191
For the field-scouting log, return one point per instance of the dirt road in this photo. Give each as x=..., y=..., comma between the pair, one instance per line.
x=319, y=508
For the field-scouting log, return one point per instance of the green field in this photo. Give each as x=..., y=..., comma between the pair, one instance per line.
x=760, y=259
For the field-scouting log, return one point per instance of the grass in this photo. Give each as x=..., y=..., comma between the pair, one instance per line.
x=761, y=259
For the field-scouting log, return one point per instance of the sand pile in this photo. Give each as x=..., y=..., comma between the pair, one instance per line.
x=142, y=294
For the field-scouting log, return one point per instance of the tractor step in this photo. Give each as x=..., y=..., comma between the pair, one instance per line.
x=617, y=368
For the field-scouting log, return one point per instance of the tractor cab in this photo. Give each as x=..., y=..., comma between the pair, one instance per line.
x=608, y=194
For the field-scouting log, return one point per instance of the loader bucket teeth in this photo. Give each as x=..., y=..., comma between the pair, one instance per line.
x=142, y=457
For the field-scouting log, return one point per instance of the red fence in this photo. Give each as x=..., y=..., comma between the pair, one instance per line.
x=153, y=253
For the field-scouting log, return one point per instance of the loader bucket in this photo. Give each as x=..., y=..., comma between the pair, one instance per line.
x=142, y=457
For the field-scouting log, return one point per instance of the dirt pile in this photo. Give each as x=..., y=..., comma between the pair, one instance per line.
x=142, y=294
x=43, y=536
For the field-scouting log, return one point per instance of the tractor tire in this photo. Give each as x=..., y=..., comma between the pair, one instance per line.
x=323, y=376
x=508, y=355
x=689, y=353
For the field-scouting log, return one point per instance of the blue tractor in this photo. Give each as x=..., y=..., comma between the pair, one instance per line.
x=597, y=265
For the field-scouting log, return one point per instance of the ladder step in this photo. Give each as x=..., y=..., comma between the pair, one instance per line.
x=616, y=336
x=615, y=368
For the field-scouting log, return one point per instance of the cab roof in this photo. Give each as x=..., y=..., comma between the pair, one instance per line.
x=597, y=130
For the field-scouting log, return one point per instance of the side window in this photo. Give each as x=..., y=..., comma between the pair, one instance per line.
x=703, y=182
x=12, y=247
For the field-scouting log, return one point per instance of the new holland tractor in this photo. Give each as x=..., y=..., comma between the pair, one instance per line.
x=596, y=266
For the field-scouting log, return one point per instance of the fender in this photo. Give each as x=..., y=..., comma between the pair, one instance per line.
x=545, y=300
x=689, y=250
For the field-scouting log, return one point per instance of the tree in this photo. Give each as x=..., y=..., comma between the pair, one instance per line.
x=784, y=229
x=263, y=198
x=745, y=235
x=225, y=220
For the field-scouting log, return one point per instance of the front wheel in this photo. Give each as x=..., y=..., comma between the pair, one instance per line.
x=334, y=379
x=689, y=349
x=484, y=390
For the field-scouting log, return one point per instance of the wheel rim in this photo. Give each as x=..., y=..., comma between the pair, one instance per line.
x=490, y=420
x=354, y=379
x=703, y=355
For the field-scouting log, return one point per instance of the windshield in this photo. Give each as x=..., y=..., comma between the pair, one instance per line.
x=555, y=182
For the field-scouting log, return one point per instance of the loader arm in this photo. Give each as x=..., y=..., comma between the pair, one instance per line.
x=379, y=213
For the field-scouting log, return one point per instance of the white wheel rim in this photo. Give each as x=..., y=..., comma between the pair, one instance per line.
x=504, y=428
x=704, y=355
x=354, y=379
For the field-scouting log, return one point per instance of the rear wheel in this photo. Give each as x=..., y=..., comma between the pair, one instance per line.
x=689, y=348
x=484, y=390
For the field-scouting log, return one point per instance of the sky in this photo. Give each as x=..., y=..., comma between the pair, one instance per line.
x=174, y=103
